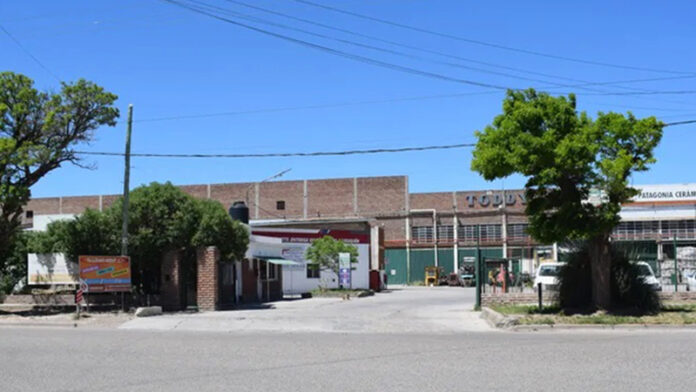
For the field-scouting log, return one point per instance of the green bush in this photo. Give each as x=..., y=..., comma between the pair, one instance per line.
x=629, y=292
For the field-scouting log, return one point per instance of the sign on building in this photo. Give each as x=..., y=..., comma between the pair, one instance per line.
x=344, y=269
x=106, y=273
x=51, y=268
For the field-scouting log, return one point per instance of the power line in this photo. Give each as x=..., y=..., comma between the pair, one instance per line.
x=285, y=154
x=358, y=34
x=318, y=106
x=28, y=53
x=341, y=53
x=484, y=43
x=315, y=153
x=360, y=58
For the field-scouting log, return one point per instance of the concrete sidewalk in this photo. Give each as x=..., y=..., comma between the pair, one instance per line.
x=403, y=310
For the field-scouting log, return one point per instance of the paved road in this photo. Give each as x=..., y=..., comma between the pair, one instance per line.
x=405, y=310
x=61, y=359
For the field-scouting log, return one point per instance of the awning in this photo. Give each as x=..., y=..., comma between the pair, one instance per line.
x=278, y=261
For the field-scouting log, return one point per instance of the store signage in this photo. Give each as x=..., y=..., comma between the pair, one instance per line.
x=344, y=271
x=105, y=273
x=672, y=192
x=495, y=199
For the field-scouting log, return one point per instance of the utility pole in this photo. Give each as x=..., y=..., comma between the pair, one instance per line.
x=126, y=184
x=477, y=268
x=676, y=275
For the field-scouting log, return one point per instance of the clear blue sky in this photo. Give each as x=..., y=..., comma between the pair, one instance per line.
x=167, y=61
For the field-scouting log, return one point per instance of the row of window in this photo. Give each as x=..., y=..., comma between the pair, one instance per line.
x=650, y=228
x=469, y=233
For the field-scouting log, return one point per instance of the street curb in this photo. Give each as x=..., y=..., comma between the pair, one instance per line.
x=498, y=320
x=622, y=327
x=53, y=325
x=511, y=323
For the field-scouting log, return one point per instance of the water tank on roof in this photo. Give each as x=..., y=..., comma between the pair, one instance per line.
x=239, y=212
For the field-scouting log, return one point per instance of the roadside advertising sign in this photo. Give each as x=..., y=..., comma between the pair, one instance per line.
x=344, y=269
x=344, y=260
x=105, y=274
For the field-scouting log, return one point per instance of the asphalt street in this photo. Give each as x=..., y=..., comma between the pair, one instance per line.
x=61, y=359
x=362, y=357
x=402, y=310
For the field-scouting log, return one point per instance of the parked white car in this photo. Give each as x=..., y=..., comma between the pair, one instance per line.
x=691, y=281
x=547, y=275
x=646, y=272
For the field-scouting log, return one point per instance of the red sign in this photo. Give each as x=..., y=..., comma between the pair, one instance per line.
x=105, y=273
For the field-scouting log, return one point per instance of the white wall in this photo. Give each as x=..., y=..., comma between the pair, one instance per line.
x=40, y=222
x=295, y=279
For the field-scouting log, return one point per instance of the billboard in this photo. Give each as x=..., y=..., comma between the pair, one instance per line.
x=50, y=268
x=105, y=273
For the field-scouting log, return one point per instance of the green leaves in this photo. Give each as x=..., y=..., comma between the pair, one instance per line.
x=564, y=154
x=324, y=252
x=38, y=131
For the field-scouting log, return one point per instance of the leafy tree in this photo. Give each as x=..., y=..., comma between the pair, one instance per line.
x=567, y=156
x=162, y=218
x=324, y=253
x=216, y=227
x=38, y=131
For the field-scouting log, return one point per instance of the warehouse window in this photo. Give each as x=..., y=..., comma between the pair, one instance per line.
x=29, y=214
x=517, y=231
x=422, y=233
x=313, y=271
x=445, y=233
x=637, y=230
x=682, y=228
x=467, y=233
x=280, y=205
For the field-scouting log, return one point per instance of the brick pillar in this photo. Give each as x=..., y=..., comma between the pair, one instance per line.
x=207, y=285
x=172, y=282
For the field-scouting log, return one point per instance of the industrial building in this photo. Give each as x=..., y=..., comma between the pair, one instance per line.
x=401, y=233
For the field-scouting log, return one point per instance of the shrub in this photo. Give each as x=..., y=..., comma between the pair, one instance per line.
x=629, y=291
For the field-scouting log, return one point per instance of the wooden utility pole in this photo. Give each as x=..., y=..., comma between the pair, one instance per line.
x=126, y=184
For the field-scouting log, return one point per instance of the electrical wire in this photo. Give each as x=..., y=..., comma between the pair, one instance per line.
x=354, y=33
x=369, y=60
x=488, y=44
x=285, y=154
x=315, y=153
x=28, y=53
x=356, y=57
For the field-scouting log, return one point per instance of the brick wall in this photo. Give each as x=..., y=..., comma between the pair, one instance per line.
x=330, y=198
x=290, y=192
x=207, y=296
x=384, y=198
x=382, y=195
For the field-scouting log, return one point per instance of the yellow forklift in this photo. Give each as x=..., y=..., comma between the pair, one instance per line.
x=435, y=276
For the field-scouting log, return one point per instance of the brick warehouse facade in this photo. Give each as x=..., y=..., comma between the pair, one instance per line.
x=414, y=230
x=417, y=229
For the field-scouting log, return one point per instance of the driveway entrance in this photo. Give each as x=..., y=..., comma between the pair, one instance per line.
x=401, y=310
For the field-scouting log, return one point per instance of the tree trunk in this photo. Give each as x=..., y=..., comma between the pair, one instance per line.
x=600, y=264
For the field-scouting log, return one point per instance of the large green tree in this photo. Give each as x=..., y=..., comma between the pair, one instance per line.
x=162, y=218
x=38, y=131
x=323, y=253
x=577, y=169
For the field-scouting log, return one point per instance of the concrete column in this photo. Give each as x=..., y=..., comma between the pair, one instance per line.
x=455, y=225
x=504, y=235
x=256, y=201
x=374, y=247
x=101, y=203
x=304, y=199
x=355, y=196
x=207, y=290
